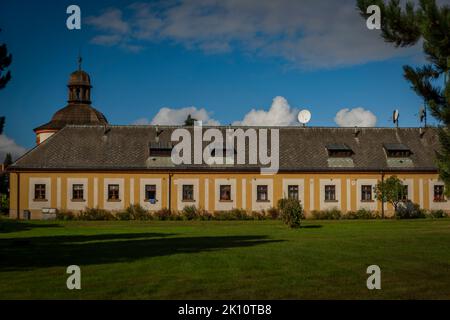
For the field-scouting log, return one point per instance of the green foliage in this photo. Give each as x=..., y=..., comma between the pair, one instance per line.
x=273, y=213
x=189, y=121
x=136, y=212
x=96, y=214
x=409, y=210
x=234, y=214
x=431, y=24
x=65, y=215
x=332, y=214
x=291, y=212
x=437, y=214
x=4, y=203
x=190, y=213
x=163, y=214
x=390, y=190
x=258, y=215
x=362, y=214
x=5, y=61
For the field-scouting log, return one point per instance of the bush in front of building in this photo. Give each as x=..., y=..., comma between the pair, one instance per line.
x=437, y=214
x=96, y=214
x=234, y=214
x=273, y=213
x=190, y=213
x=331, y=214
x=409, y=210
x=163, y=214
x=362, y=214
x=65, y=215
x=291, y=212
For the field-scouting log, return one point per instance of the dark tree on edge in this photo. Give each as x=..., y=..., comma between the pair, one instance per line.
x=404, y=26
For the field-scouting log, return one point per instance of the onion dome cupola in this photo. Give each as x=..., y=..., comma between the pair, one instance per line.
x=78, y=111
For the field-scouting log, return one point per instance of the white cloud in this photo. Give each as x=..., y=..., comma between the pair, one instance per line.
x=357, y=117
x=8, y=145
x=279, y=114
x=309, y=34
x=169, y=116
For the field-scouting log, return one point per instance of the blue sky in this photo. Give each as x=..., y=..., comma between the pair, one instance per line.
x=227, y=59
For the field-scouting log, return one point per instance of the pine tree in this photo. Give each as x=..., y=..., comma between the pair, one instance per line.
x=189, y=121
x=430, y=23
x=5, y=61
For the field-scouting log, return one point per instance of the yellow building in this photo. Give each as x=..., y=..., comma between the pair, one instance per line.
x=81, y=161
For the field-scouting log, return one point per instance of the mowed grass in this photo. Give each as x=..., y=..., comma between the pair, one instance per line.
x=225, y=259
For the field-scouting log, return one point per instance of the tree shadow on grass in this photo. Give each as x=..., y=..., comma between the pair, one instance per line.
x=311, y=226
x=9, y=226
x=41, y=252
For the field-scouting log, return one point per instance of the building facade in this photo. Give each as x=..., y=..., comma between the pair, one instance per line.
x=81, y=161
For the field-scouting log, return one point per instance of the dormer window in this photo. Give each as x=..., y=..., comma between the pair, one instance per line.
x=397, y=150
x=160, y=149
x=339, y=150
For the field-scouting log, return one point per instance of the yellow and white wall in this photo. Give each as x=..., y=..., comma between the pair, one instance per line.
x=206, y=190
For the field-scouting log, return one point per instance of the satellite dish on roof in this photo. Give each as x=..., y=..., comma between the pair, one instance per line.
x=304, y=116
x=395, y=117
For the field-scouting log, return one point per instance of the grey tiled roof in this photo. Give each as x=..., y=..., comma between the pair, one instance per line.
x=301, y=149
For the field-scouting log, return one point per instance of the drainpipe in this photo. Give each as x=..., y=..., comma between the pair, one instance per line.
x=18, y=196
x=170, y=192
x=382, y=199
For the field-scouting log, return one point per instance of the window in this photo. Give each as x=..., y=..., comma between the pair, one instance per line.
x=439, y=193
x=39, y=192
x=397, y=150
x=366, y=193
x=77, y=192
x=150, y=192
x=403, y=193
x=113, y=192
x=188, y=192
x=330, y=193
x=339, y=150
x=225, y=192
x=261, y=193
x=293, y=192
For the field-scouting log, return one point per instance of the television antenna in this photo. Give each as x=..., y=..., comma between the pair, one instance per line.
x=304, y=117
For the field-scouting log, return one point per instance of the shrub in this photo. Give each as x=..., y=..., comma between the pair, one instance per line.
x=65, y=215
x=124, y=215
x=361, y=214
x=163, y=214
x=273, y=213
x=206, y=215
x=258, y=215
x=291, y=212
x=436, y=214
x=96, y=214
x=409, y=210
x=190, y=213
x=333, y=214
x=234, y=214
x=137, y=212
x=4, y=203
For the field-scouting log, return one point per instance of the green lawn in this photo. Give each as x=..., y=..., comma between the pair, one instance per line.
x=225, y=260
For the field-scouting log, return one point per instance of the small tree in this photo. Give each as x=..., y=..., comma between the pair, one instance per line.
x=189, y=121
x=291, y=212
x=390, y=190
